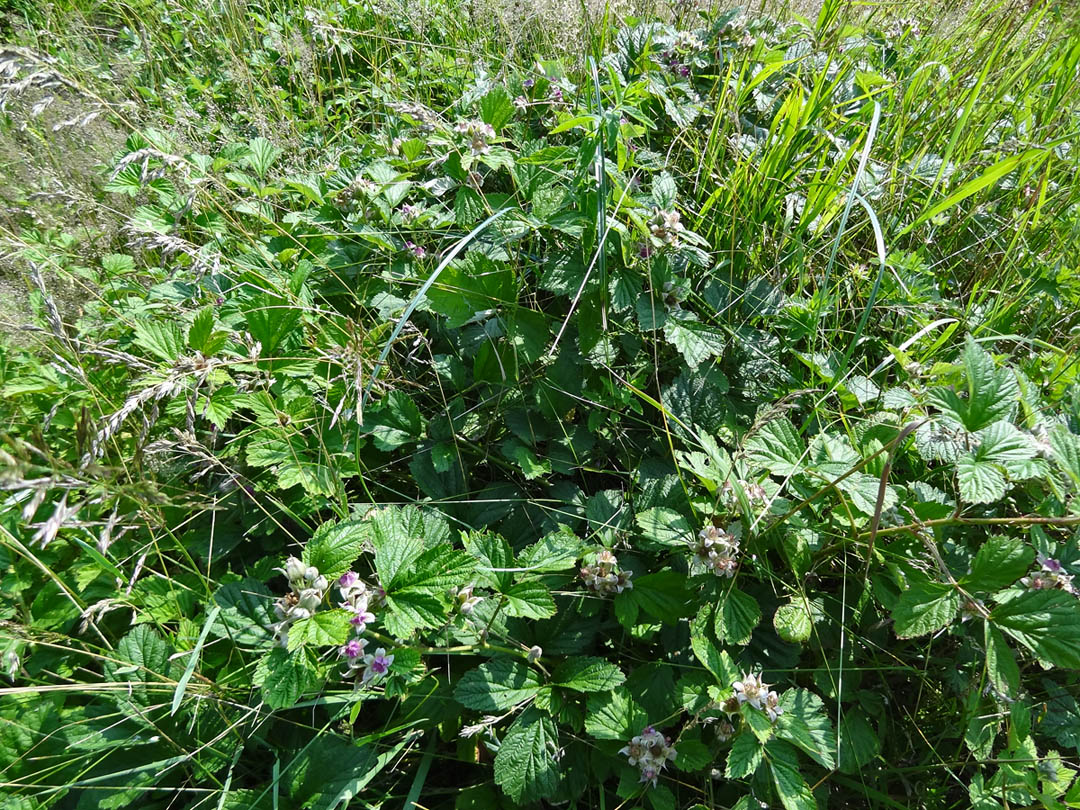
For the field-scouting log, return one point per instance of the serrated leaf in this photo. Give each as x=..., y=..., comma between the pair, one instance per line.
x=586, y=674
x=792, y=789
x=529, y=599
x=335, y=547
x=744, y=757
x=717, y=661
x=202, y=326
x=665, y=527
x=245, y=616
x=694, y=340
x=557, y=551
x=493, y=557
x=1001, y=667
x=776, y=447
x=148, y=656
x=661, y=595
x=525, y=766
x=262, y=155
x=1047, y=622
x=736, y=617
x=412, y=610
x=805, y=723
x=496, y=686
x=283, y=677
x=992, y=392
x=999, y=562
x=322, y=629
x=979, y=481
x=614, y=715
x=923, y=608
x=792, y=621
x=1066, y=451
x=162, y=339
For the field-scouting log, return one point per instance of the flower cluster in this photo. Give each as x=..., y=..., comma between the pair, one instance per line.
x=650, y=751
x=368, y=667
x=753, y=690
x=465, y=600
x=717, y=549
x=307, y=587
x=604, y=575
x=755, y=493
x=358, y=599
x=1050, y=574
x=479, y=134
x=666, y=226
x=359, y=189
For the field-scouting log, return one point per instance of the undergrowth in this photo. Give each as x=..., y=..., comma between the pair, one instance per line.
x=448, y=405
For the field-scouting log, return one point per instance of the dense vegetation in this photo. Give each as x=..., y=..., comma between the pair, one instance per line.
x=443, y=405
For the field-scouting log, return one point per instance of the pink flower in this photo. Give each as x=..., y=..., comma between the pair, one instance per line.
x=377, y=665
x=348, y=580
x=353, y=649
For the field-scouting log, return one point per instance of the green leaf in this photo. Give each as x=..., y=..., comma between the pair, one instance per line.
x=744, y=757
x=1047, y=622
x=558, y=551
x=394, y=422
x=794, y=793
x=1001, y=667
x=496, y=108
x=435, y=570
x=696, y=341
x=335, y=547
x=925, y=607
x=412, y=610
x=322, y=629
x=525, y=766
x=163, y=339
x=998, y=564
x=587, y=675
x=531, y=466
x=717, y=661
x=262, y=155
x=776, y=447
x=805, y=723
x=492, y=553
x=980, y=481
x=202, y=327
x=246, y=614
x=661, y=595
x=665, y=527
x=859, y=743
x=1066, y=451
x=497, y=686
x=283, y=677
x=529, y=599
x=148, y=656
x=736, y=617
x=614, y=715
x=792, y=621
x=992, y=392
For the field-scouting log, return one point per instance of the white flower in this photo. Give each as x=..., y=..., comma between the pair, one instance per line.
x=751, y=689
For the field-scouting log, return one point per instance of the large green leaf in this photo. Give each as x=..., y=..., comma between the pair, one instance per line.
x=335, y=547
x=283, y=676
x=999, y=562
x=794, y=793
x=1047, y=622
x=525, y=765
x=496, y=686
x=992, y=392
x=925, y=607
x=585, y=674
x=614, y=715
x=661, y=596
x=805, y=723
x=736, y=617
x=322, y=629
x=665, y=527
x=744, y=757
x=776, y=447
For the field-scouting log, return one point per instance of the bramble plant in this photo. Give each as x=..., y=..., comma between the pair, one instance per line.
x=688, y=421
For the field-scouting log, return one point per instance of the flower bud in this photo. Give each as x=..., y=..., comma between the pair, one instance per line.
x=294, y=569
x=310, y=599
